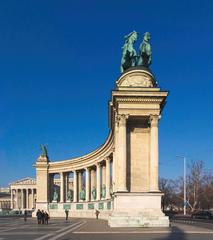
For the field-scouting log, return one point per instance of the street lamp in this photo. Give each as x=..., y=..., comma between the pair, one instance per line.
x=184, y=183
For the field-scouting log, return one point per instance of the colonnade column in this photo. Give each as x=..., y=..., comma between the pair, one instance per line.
x=32, y=191
x=11, y=199
x=27, y=198
x=154, y=153
x=22, y=198
x=87, y=184
x=98, y=181
x=121, y=154
x=62, y=187
x=75, y=186
x=107, y=178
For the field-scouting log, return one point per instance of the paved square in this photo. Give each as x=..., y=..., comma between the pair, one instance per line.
x=92, y=229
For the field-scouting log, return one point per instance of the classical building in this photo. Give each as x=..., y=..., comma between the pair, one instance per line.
x=23, y=194
x=120, y=178
x=4, y=199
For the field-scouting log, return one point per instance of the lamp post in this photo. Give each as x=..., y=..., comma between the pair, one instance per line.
x=184, y=183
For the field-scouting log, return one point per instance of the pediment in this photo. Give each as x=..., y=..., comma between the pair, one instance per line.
x=24, y=181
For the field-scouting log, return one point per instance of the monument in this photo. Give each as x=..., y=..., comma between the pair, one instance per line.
x=121, y=177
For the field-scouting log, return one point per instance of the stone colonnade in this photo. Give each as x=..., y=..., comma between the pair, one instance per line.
x=88, y=184
x=23, y=198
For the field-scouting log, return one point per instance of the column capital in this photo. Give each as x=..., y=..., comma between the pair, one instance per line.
x=107, y=159
x=121, y=119
x=154, y=120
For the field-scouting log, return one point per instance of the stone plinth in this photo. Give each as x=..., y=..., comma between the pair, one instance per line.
x=138, y=210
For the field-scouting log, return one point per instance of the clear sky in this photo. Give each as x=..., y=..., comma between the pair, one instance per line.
x=58, y=64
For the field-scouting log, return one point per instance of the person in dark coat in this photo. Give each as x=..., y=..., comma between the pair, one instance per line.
x=25, y=215
x=38, y=215
x=67, y=213
x=46, y=217
x=42, y=216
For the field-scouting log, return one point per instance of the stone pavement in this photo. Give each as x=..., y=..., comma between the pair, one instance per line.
x=92, y=229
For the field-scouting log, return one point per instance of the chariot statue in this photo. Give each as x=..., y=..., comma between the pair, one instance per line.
x=129, y=55
x=145, y=58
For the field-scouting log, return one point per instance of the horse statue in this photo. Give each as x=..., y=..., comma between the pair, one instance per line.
x=145, y=58
x=129, y=55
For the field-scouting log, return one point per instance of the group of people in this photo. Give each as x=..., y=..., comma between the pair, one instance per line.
x=42, y=217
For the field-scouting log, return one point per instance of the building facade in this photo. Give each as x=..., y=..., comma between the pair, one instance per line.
x=121, y=177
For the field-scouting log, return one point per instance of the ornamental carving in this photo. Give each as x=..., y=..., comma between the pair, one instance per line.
x=140, y=80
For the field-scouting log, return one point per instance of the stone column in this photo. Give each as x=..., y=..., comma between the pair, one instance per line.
x=154, y=153
x=104, y=175
x=32, y=190
x=75, y=186
x=11, y=198
x=66, y=180
x=87, y=184
x=121, y=154
x=92, y=182
x=107, y=178
x=22, y=198
x=27, y=198
x=98, y=181
x=62, y=187
x=79, y=184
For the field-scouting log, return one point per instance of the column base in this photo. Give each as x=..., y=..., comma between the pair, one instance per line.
x=138, y=210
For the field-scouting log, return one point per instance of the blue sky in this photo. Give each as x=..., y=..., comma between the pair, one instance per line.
x=58, y=64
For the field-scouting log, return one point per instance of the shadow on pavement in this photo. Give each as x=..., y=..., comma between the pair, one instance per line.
x=176, y=234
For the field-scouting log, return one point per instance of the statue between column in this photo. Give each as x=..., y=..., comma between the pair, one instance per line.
x=55, y=195
x=94, y=193
x=83, y=194
x=70, y=195
x=130, y=58
x=103, y=191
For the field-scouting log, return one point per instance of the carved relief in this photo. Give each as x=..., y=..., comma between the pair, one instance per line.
x=139, y=80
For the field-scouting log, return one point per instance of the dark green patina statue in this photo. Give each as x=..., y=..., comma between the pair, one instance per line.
x=44, y=151
x=55, y=195
x=83, y=194
x=94, y=193
x=145, y=58
x=103, y=191
x=129, y=55
x=130, y=58
x=70, y=195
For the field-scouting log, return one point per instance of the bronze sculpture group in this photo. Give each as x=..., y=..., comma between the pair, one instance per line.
x=130, y=58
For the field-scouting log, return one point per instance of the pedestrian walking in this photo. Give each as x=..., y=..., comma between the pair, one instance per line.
x=42, y=216
x=25, y=215
x=46, y=217
x=38, y=215
x=97, y=213
x=67, y=213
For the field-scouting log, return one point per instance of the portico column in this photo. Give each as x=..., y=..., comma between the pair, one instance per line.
x=98, y=181
x=121, y=153
x=107, y=178
x=22, y=198
x=27, y=199
x=75, y=186
x=62, y=187
x=87, y=184
x=154, y=153
x=11, y=197
x=32, y=190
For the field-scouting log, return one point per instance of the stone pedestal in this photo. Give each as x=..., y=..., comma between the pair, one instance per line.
x=138, y=210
